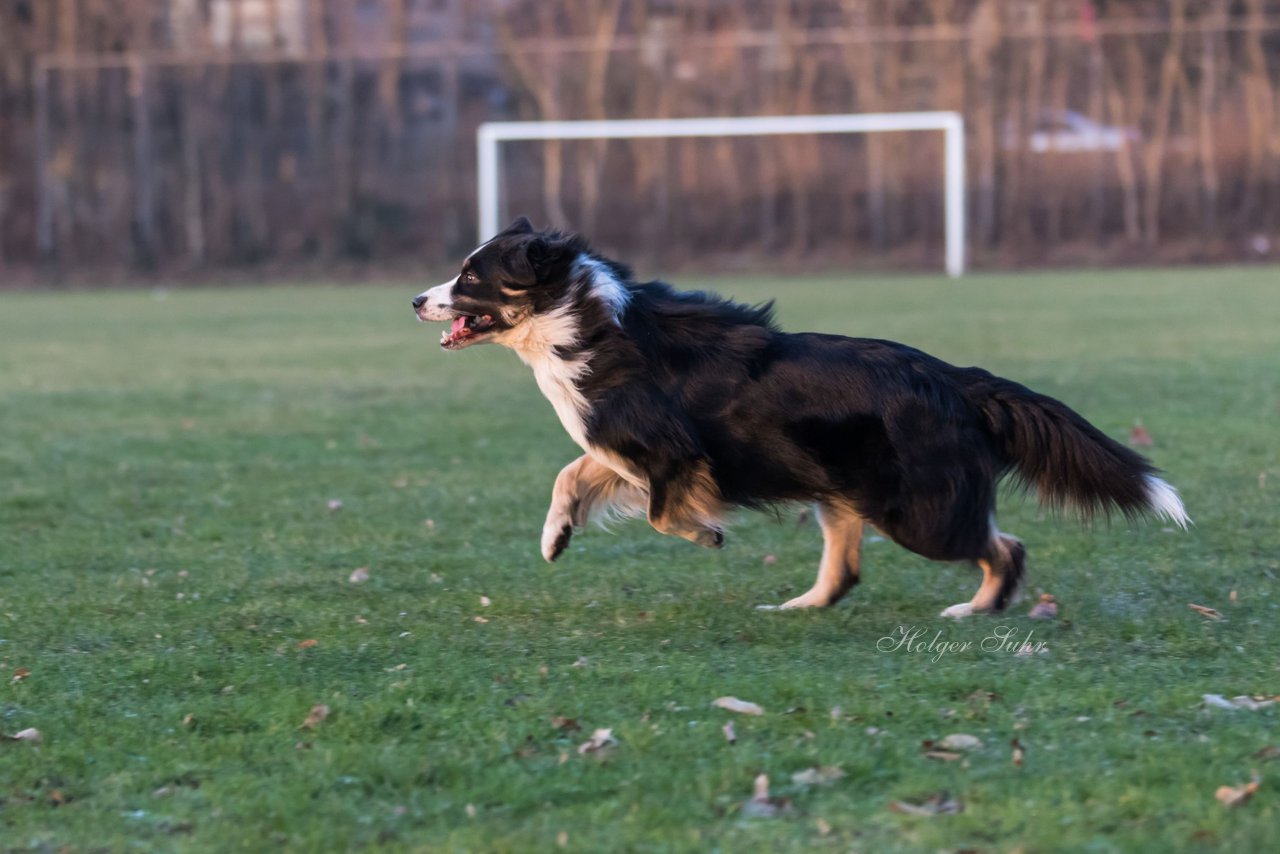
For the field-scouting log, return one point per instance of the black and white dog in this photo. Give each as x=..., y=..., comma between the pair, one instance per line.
x=686, y=405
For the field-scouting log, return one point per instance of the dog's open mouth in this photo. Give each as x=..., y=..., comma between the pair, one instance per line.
x=465, y=330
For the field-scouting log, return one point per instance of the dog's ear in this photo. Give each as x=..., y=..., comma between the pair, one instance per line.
x=520, y=225
x=550, y=257
x=542, y=258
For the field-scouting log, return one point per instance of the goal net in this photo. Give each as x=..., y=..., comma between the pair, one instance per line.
x=491, y=135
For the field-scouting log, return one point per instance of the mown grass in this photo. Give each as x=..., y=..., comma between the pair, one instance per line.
x=166, y=547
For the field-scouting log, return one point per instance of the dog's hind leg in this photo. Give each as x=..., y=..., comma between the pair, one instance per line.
x=841, y=557
x=1002, y=569
x=585, y=490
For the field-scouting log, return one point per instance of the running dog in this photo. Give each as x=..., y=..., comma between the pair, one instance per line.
x=686, y=405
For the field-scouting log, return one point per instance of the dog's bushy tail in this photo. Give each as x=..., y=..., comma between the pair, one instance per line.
x=1069, y=462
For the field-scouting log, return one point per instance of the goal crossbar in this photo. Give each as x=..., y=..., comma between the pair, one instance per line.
x=491, y=134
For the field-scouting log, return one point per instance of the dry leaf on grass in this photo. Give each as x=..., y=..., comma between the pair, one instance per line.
x=939, y=803
x=960, y=741
x=822, y=775
x=600, y=743
x=359, y=575
x=21, y=674
x=761, y=805
x=1205, y=611
x=485, y=601
x=1045, y=609
x=1018, y=752
x=564, y=724
x=335, y=504
x=729, y=734
x=308, y=643
x=943, y=755
x=769, y=560
x=1234, y=796
x=316, y=716
x=733, y=704
x=1267, y=754
x=1252, y=704
x=1139, y=437
x=981, y=699
x=31, y=734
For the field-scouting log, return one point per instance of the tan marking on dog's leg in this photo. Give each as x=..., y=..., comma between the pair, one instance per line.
x=691, y=509
x=585, y=489
x=841, y=561
x=980, y=601
x=603, y=491
x=1001, y=572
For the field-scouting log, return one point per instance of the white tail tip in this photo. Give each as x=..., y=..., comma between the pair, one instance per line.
x=1164, y=501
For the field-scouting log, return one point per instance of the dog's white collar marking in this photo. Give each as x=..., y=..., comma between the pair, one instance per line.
x=604, y=285
x=535, y=341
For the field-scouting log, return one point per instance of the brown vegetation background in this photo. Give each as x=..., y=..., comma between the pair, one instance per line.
x=180, y=136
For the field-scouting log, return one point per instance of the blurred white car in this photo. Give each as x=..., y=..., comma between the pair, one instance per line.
x=1068, y=131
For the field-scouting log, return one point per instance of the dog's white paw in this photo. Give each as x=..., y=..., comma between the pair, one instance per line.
x=556, y=534
x=957, y=612
x=811, y=599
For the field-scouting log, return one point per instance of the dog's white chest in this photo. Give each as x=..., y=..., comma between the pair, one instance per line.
x=557, y=379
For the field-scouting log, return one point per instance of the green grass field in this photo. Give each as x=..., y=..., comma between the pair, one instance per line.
x=174, y=581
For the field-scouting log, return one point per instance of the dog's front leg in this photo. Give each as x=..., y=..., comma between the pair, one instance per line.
x=685, y=503
x=584, y=490
x=663, y=451
x=558, y=528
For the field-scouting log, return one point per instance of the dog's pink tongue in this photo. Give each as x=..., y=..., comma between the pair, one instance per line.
x=459, y=324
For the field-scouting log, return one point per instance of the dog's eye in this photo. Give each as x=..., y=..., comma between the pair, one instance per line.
x=470, y=276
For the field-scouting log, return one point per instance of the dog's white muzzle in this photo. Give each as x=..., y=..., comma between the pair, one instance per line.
x=436, y=303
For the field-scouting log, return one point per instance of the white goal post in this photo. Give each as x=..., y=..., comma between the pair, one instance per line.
x=491, y=134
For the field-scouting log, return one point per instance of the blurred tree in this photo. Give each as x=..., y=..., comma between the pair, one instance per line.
x=182, y=134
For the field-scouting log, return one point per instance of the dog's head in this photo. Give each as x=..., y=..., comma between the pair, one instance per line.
x=512, y=278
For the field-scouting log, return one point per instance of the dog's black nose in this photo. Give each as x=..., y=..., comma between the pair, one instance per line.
x=419, y=300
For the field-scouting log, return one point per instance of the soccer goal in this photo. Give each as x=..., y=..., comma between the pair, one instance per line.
x=491, y=135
